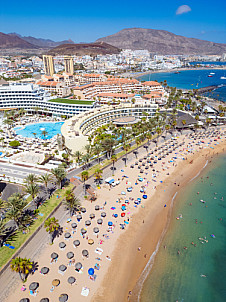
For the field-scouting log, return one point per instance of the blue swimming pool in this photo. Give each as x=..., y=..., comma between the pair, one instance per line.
x=37, y=130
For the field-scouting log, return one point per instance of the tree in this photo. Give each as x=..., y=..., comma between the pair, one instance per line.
x=85, y=176
x=126, y=147
x=97, y=150
x=184, y=122
x=51, y=225
x=98, y=174
x=44, y=133
x=33, y=190
x=14, y=208
x=158, y=131
x=30, y=179
x=3, y=232
x=34, y=134
x=23, y=266
x=60, y=175
x=108, y=146
x=71, y=202
x=78, y=156
x=46, y=179
x=113, y=160
x=86, y=159
x=14, y=144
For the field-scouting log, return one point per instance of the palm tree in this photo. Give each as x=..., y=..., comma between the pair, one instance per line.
x=98, y=175
x=88, y=149
x=44, y=133
x=158, y=131
x=59, y=174
x=34, y=134
x=51, y=225
x=3, y=232
x=86, y=159
x=46, y=179
x=97, y=150
x=138, y=142
x=149, y=136
x=71, y=202
x=31, y=179
x=14, y=208
x=113, y=160
x=85, y=176
x=33, y=190
x=126, y=147
x=108, y=146
x=78, y=156
x=23, y=266
x=184, y=122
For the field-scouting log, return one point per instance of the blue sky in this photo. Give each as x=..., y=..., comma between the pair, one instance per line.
x=86, y=21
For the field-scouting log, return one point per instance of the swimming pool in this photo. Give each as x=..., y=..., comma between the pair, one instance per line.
x=37, y=130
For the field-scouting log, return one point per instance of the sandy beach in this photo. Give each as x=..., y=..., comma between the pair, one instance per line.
x=120, y=252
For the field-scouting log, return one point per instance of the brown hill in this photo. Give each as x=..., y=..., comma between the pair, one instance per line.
x=91, y=49
x=9, y=42
x=161, y=42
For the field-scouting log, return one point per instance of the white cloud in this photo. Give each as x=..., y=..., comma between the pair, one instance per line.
x=183, y=9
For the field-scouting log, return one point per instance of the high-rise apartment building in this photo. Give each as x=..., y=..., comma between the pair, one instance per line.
x=69, y=64
x=48, y=65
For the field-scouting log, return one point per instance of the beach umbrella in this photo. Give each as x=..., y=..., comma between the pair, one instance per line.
x=74, y=225
x=123, y=214
x=62, y=268
x=79, y=216
x=83, y=210
x=96, y=230
x=55, y=282
x=83, y=231
x=33, y=285
x=70, y=255
x=110, y=223
x=62, y=245
x=71, y=280
x=140, y=160
x=76, y=243
x=44, y=300
x=115, y=215
x=85, y=253
x=54, y=255
x=136, y=163
x=63, y=297
x=145, y=196
x=90, y=241
x=103, y=214
x=25, y=300
x=99, y=221
x=97, y=207
x=91, y=216
x=44, y=270
x=132, y=166
x=78, y=266
x=91, y=271
x=88, y=222
x=123, y=193
x=141, y=171
x=67, y=235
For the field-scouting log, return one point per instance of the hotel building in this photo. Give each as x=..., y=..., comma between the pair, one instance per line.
x=48, y=65
x=69, y=64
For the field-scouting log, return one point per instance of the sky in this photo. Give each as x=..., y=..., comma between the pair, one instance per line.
x=86, y=21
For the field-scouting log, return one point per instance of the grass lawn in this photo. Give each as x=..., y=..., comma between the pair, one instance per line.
x=70, y=101
x=5, y=252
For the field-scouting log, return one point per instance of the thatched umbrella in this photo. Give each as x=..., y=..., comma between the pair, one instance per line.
x=54, y=256
x=62, y=268
x=33, y=285
x=100, y=221
x=74, y=225
x=67, y=235
x=96, y=230
x=97, y=207
x=44, y=300
x=71, y=280
x=44, y=270
x=83, y=231
x=90, y=241
x=91, y=216
x=63, y=297
x=55, y=282
x=79, y=216
x=85, y=253
x=88, y=222
x=25, y=300
x=83, y=210
x=70, y=255
x=76, y=243
x=62, y=245
x=78, y=266
x=103, y=214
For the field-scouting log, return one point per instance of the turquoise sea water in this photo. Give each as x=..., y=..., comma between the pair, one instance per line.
x=192, y=79
x=52, y=129
x=180, y=277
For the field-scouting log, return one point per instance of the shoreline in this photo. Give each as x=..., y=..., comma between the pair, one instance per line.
x=133, y=267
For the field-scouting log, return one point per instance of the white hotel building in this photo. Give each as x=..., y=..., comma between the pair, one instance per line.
x=29, y=96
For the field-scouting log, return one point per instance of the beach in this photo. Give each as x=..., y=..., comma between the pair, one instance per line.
x=123, y=253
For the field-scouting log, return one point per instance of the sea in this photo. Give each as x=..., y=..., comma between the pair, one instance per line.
x=193, y=79
x=190, y=265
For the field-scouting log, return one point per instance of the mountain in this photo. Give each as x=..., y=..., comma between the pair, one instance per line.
x=161, y=42
x=9, y=42
x=43, y=43
x=81, y=49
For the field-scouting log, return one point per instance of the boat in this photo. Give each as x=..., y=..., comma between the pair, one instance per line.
x=212, y=73
x=203, y=201
x=223, y=78
x=210, y=76
x=176, y=72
